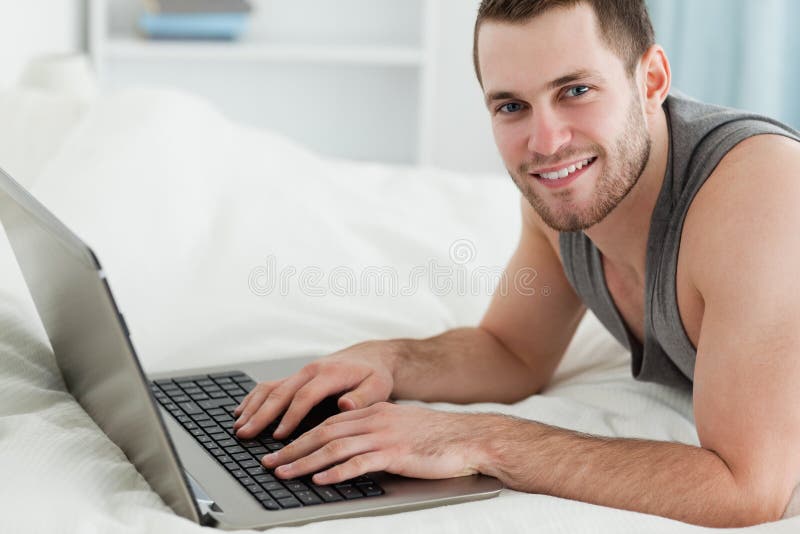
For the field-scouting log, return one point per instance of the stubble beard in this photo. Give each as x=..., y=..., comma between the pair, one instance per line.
x=631, y=150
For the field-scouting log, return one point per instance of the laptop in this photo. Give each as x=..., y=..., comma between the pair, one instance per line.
x=176, y=428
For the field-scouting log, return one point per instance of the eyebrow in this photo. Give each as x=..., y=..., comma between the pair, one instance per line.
x=578, y=75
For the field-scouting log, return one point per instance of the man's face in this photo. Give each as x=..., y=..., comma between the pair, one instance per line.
x=576, y=147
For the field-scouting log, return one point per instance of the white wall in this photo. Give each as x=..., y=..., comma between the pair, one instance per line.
x=34, y=27
x=462, y=136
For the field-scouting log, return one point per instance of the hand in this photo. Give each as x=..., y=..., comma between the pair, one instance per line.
x=364, y=370
x=405, y=440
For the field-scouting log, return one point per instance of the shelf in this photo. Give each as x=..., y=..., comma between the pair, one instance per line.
x=137, y=48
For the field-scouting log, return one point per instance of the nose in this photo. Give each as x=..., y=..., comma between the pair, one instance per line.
x=547, y=133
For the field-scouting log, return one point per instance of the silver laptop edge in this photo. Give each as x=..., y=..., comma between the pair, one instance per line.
x=94, y=352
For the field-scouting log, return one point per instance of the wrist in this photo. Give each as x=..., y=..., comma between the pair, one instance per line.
x=395, y=353
x=500, y=443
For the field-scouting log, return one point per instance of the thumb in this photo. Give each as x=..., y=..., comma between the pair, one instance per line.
x=370, y=391
x=349, y=402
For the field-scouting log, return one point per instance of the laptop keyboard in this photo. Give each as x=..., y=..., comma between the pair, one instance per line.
x=204, y=406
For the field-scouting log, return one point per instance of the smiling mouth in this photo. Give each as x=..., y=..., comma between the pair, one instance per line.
x=566, y=171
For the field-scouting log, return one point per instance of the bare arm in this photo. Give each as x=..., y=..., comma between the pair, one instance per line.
x=516, y=348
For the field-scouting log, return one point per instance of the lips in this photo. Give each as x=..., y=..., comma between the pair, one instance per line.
x=570, y=177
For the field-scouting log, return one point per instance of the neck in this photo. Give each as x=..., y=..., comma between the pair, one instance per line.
x=621, y=236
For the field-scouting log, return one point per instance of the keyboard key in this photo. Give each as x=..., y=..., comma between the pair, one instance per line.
x=206, y=382
x=280, y=493
x=257, y=470
x=267, y=502
x=242, y=378
x=196, y=432
x=201, y=417
x=254, y=488
x=234, y=450
x=217, y=394
x=274, y=446
x=238, y=473
x=240, y=457
x=206, y=423
x=194, y=378
x=274, y=486
x=226, y=374
x=230, y=466
x=258, y=451
x=204, y=439
x=264, y=478
x=190, y=407
x=249, y=464
x=327, y=493
x=289, y=502
x=163, y=382
x=180, y=398
x=221, y=381
x=217, y=452
x=215, y=403
x=307, y=498
x=350, y=492
x=191, y=390
x=295, y=486
x=225, y=443
x=199, y=396
x=216, y=411
x=370, y=490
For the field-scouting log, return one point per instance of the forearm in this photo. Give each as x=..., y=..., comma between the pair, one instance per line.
x=461, y=366
x=673, y=480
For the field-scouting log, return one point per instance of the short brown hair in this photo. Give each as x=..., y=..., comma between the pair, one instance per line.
x=624, y=24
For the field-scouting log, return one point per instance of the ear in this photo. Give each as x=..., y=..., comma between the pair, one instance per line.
x=654, y=78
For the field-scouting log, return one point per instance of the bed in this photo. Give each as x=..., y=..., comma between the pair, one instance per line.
x=189, y=213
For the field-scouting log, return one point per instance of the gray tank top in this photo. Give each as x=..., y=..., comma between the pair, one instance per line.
x=699, y=136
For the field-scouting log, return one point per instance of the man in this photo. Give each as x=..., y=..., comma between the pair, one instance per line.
x=616, y=178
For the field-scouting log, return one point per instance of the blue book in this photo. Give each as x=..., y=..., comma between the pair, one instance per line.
x=226, y=26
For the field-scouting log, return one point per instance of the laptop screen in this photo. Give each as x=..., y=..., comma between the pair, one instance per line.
x=90, y=340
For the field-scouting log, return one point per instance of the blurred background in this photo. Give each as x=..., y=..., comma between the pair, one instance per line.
x=382, y=80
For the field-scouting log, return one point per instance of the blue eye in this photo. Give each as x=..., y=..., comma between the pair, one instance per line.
x=578, y=90
x=511, y=107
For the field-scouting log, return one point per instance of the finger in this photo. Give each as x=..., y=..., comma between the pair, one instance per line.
x=306, y=398
x=371, y=390
x=356, y=466
x=253, y=392
x=313, y=440
x=253, y=401
x=332, y=453
x=264, y=410
x=345, y=416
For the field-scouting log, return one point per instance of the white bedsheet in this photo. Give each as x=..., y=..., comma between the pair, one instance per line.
x=186, y=211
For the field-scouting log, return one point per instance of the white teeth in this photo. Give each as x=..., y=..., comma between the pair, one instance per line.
x=563, y=173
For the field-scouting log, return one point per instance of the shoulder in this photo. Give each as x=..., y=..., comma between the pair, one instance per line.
x=747, y=210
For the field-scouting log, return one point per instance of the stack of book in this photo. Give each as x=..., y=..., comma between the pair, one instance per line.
x=194, y=19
